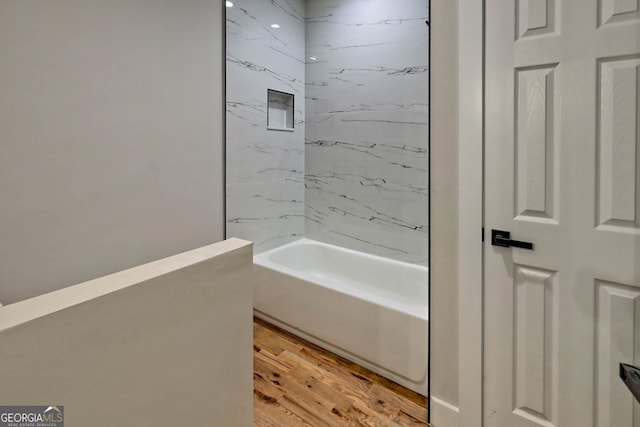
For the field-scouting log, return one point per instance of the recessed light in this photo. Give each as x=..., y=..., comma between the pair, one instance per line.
x=313, y=58
x=276, y=26
x=228, y=4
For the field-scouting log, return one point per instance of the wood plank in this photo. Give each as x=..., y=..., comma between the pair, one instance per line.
x=387, y=397
x=272, y=340
x=298, y=383
x=270, y=414
x=340, y=381
x=365, y=415
x=360, y=376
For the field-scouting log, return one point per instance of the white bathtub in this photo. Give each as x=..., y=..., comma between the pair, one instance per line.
x=366, y=308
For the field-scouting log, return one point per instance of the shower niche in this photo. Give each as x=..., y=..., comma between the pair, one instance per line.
x=280, y=110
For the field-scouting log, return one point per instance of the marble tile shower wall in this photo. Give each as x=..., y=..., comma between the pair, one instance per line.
x=366, y=126
x=265, y=168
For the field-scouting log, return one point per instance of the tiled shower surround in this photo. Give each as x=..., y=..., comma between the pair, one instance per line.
x=355, y=171
x=366, y=126
x=265, y=168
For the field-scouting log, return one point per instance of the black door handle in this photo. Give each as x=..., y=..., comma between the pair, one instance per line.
x=503, y=238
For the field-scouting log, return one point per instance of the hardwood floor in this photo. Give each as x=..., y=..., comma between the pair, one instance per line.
x=299, y=384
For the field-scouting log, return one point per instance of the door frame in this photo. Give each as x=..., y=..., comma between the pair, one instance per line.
x=464, y=206
x=471, y=211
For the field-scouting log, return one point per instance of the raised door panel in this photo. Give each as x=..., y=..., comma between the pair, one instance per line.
x=618, y=341
x=619, y=143
x=535, y=142
x=535, y=308
x=612, y=11
x=535, y=17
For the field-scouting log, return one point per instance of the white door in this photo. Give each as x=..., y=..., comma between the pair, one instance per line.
x=562, y=171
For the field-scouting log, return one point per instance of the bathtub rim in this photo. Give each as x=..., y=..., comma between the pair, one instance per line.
x=262, y=260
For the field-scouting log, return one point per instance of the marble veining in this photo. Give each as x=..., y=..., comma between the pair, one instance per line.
x=366, y=143
x=265, y=169
x=354, y=172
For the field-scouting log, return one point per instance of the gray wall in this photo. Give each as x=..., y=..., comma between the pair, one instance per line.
x=265, y=168
x=110, y=137
x=367, y=126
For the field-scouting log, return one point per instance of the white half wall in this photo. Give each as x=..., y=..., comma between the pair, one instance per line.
x=111, y=137
x=163, y=344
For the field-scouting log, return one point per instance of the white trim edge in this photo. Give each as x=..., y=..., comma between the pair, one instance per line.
x=443, y=414
x=470, y=216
